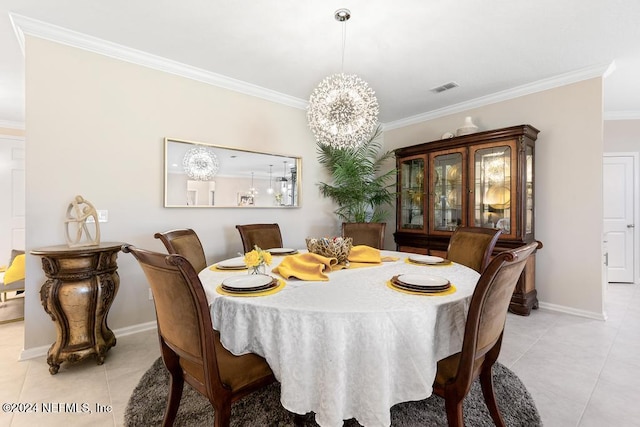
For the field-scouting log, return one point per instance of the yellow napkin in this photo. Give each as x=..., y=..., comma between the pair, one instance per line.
x=307, y=266
x=15, y=271
x=363, y=256
x=364, y=253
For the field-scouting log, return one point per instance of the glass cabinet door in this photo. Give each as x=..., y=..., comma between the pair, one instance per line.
x=412, y=193
x=494, y=187
x=447, y=190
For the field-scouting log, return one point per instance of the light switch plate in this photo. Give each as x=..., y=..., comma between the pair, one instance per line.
x=103, y=216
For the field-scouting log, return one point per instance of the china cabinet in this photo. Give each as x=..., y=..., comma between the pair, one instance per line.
x=485, y=179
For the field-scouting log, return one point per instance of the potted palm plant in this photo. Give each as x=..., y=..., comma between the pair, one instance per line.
x=361, y=192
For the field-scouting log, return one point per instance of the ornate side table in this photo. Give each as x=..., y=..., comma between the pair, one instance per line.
x=81, y=285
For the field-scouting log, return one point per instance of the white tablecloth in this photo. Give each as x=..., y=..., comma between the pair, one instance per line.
x=349, y=347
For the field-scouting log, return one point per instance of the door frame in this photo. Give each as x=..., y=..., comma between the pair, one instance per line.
x=636, y=207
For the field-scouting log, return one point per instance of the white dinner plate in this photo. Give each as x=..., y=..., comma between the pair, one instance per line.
x=232, y=263
x=423, y=280
x=280, y=251
x=247, y=281
x=426, y=259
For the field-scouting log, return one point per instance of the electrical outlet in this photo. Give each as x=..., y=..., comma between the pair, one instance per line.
x=103, y=216
x=150, y=295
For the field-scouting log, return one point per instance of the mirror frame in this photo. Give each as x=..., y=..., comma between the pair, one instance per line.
x=226, y=154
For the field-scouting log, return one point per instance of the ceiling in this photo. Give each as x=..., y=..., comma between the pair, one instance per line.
x=402, y=49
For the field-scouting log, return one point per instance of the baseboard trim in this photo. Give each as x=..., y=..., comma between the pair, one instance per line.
x=32, y=353
x=572, y=311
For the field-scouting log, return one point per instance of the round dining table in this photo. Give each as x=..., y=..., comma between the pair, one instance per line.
x=351, y=346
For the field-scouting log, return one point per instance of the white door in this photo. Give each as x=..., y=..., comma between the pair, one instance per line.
x=12, y=187
x=619, y=232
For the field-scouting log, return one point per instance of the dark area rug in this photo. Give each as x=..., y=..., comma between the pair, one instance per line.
x=262, y=408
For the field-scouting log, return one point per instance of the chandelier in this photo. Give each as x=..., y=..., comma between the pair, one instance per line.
x=270, y=190
x=343, y=109
x=253, y=192
x=200, y=163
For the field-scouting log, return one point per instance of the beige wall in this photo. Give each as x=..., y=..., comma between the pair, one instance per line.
x=622, y=136
x=568, y=184
x=95, y=127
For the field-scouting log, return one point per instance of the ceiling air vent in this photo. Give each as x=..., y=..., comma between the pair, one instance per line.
x=444, y=87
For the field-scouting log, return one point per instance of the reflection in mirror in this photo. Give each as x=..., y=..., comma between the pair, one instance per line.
x=204, y=175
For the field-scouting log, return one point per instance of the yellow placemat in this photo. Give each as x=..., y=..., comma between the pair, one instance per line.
x=446, y=263
x=226, y=270
x=449, y=291
x=281, y=285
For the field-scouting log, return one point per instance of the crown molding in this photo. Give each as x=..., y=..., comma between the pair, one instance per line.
x=541, y=85
x=12, y=125
x=622, y=115
x=23, y=25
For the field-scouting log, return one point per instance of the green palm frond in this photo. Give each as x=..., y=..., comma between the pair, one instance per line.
x=358, y=188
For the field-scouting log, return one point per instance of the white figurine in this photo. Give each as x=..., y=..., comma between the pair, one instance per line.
x=76, y=221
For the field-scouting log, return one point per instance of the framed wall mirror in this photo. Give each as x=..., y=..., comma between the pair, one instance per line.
x=205, y=175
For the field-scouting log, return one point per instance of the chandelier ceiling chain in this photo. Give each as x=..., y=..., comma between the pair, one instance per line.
x=343, y=109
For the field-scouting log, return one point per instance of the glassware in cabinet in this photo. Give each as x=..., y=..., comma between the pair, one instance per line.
x=493, y=187
x=412, y=193
x=447, y=190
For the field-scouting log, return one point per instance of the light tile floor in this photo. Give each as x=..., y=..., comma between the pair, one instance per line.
x=581, y=372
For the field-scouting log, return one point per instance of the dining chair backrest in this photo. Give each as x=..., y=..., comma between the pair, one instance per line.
x=185, y=242
x=265, y=236
x=189, y=346
x=482, y=335
x=472, y=246
x=365, y=233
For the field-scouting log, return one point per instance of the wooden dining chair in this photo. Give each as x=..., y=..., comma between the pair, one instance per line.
x=265, y=236
x=482, y=336
x=190, y=347
x=184, y=242
x=365, y=233
x=472, y=246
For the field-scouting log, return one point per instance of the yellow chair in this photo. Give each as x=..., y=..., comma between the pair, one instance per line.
x=184, y=242
x=9, y=285
x=482, y=336
x=190, y=347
